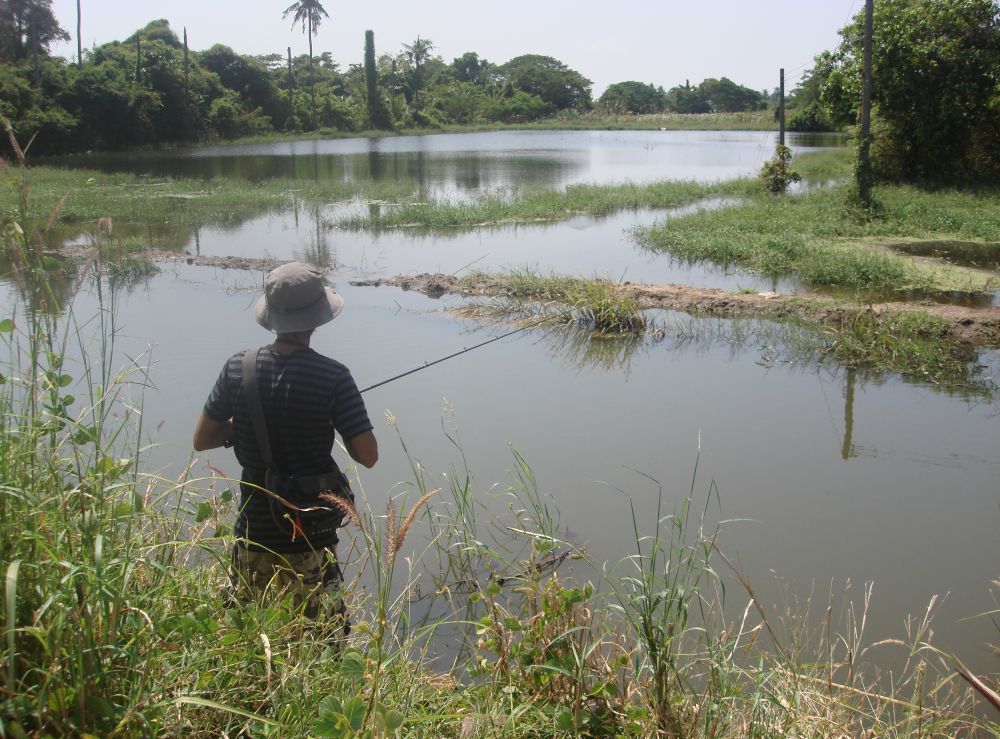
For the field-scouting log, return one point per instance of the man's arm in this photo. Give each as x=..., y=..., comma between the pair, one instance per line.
x=209, y=434
x=363, y=448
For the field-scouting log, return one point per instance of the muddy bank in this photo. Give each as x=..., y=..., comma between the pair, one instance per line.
x=979, y=326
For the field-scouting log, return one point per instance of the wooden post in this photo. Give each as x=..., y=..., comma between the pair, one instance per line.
x=781, y=108
x=138, y=57
x=864, y=175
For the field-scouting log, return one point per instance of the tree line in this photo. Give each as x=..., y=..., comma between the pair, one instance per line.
x=936, y=88
x=150, y=88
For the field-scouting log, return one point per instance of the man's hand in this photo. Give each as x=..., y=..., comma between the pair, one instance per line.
x=363, y=449
x=209, y=434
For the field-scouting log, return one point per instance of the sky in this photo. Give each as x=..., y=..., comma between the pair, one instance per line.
x=662, y=42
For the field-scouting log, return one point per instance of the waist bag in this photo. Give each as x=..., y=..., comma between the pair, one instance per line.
x=293, y=500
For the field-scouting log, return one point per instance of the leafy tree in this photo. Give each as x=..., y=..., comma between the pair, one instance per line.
x=935, y=73
x=633, y=97
x=687, y=99
x=27, y=27
x=547, y=79
x=725, y=96
x=249, y=77
x=38, y=115
x=470, y=68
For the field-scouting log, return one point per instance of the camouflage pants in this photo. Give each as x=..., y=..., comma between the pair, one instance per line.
x=314, y=580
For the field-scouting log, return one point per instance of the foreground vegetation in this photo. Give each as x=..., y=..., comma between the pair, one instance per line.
x=116, y=620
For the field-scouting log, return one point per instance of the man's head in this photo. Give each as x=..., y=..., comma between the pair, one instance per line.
x=296, y=298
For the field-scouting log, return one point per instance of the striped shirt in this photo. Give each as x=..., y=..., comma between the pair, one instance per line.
x=307, y=398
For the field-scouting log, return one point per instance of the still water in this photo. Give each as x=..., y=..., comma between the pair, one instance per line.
x=457, y=164
x=825, y=477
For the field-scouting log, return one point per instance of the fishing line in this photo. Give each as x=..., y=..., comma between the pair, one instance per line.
x=465, y=350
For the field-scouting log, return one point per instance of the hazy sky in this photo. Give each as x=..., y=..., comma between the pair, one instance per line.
x=662, y=42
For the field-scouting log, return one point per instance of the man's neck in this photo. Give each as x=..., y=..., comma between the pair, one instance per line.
x=286, y=343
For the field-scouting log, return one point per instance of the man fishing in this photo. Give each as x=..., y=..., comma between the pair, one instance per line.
x=286, y=535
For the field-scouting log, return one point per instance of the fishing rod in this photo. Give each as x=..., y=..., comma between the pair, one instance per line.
x=465, y=350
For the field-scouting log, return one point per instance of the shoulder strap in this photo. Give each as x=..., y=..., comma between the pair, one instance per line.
x=254, y=406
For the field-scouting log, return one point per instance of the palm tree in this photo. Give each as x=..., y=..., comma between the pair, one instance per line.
x=309, y=13
x=418, y=52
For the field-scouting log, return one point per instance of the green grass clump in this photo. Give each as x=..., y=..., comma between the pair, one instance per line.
x=911, y=343
x=598, y=305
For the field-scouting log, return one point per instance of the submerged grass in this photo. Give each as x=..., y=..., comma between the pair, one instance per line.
x=84, y=196
x=538, y=204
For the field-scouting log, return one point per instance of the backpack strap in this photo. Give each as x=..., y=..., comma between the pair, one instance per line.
x=255, y=408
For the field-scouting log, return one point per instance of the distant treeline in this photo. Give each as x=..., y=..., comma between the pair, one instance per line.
x=151, y=89
x=935, y=89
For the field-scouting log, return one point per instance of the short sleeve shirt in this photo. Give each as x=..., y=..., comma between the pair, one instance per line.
x=307, y=399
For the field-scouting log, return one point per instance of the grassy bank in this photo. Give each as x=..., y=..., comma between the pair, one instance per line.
x=816, y=236
x=567, y=121
x=914, y=344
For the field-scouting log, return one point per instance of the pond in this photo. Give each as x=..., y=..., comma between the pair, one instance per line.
x=826, y=477
x=464, y=164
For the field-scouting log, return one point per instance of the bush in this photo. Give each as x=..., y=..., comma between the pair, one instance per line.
x=776, y=174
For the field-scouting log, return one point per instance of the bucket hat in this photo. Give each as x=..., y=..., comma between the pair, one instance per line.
x=296, y=298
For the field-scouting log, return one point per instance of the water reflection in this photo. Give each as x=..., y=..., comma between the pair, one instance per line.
x=458, y=165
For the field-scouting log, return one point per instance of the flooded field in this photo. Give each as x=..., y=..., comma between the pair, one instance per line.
x=825, y=477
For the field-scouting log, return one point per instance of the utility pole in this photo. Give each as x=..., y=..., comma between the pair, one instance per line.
x=781, y=109
x=187, y=67
x=291, y=84
x=864, y=172
x=79, y=39
x=138, y=57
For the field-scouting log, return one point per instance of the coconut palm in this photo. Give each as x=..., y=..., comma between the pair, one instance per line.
x=418, y=52
x=309, y=13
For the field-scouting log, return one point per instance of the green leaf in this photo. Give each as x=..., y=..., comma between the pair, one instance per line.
x=352, y=665
x=564, y=719
x=64, y=380
x=6, y=326
x=204, y=512
x=392, y=719
x=493, y=589
x=354, y=712
x=513, y=624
